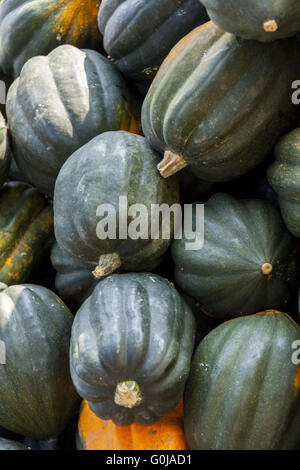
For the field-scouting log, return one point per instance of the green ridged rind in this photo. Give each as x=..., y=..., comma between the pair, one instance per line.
x=37, y=395
x=58, y=104
x=137, y=45
x=246, y=18
x=133, y=327
x=113, y=164
x=225, y=275
x=221, y=102
x=243, y=390
x=284, y=177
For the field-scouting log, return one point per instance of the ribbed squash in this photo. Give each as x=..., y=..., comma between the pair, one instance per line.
x=26, y=230
x=110, y=166
x=131, y=347
x=37, y=395
x=6, y=444
x=218, y=103
x=243, y=392
x=30, y=28
x=5, y=155
x=74, y=279
x=261, y=20
x=139, y=35
x=59, y=103
x=95, y=434
x=284, y=177
x=247, y=262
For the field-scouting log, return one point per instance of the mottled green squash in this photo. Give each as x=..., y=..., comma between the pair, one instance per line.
x=265, y=20
x=30, y=28
x=243, y=392
x=74, y=279
x=37, y=395
x=139, y=35
x=59, y=103
x=218, y=103
x=110, y=166
x=131, y=347
x=26, y=230
x=284, y=177
x=247, y=262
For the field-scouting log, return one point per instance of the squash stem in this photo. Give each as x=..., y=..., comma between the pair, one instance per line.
x=107, y=265
x=270, y=26
x=128, y=394
x=170, y=164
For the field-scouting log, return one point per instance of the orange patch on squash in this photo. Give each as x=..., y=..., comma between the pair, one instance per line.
x=297, y=382
x=166, y=434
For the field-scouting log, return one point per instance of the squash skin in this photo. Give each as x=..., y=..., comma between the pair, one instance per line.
x=5, y=153
x=96, y=434
x=35, y=326
x=26, y=230
x=112, y=328
x=243, y=390
x=226, y=275
x=32, y=28
x=59, y=103
x=6, y=444
x=97, y=171
x=247, y=18
x=138, y=46
x=197, y=108
x=74, y=280
x=284, y=177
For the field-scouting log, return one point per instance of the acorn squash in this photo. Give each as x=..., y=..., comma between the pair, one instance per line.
x=59, y=103
x=243, y=392
x=219, y=103
x=284, y=177
x=95, y=434
x=264, y=21
x=110, y=166
x=248, y=260
x=30, y=28
x=26, y=230
x=139, y=35
x=5, y=154
x=74, y=279
x=131, y=347
x=37, y=395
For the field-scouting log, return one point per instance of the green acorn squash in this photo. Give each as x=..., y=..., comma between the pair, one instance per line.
x=5, y=154
x=219, y=103
x=30, y=28
x=261, y=20
x=6, y=444
x=26, y=230
x=112, y=165
x=59, y=103
x=74, y=279
x=284, y=177
x=247, y=262
x=138, y=46
x=131, y=347
x=243, y=392
x=37, y=395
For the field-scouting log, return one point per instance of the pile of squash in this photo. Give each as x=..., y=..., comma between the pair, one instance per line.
x=131, y=343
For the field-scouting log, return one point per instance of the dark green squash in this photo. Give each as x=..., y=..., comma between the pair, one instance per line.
x=243, y=392
x=26, y=230
x=110, y=166
x=219, y=103
x=5, y=154
x=59, y=103
x=284, y=177
x=139, y=35
x=131, y=347
x=30, y=28
x=6, y=444
x=37, y=395
x=74, y=279
x=261, y=20
x=247, y=262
